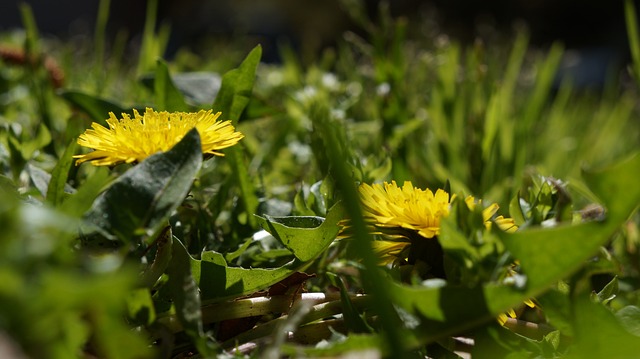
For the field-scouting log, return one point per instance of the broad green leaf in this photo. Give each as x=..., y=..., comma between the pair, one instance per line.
x=59, y=175
x=600, y=335
x=168, y=97
x=137, y=204
x=305, y=236
x=217, y=281
x=96, y=107
x=629, y=318
x=236, y=87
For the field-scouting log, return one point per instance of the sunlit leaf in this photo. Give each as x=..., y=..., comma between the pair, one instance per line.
x=219, y=281
x=305, y=236
x=236, y=87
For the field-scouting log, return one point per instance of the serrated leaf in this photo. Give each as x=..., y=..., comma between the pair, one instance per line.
x=305, y=236
x=136, y=205
x=96, y=107
x=217, y=281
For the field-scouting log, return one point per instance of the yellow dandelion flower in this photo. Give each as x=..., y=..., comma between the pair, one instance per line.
x=506, y=224
x=387, y=205
x=129, y=140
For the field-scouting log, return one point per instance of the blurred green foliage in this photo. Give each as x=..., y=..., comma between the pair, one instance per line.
x=181, y=255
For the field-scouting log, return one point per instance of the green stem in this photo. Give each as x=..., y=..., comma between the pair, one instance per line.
x=162, y=259
x=316, y=312
x=259, y=306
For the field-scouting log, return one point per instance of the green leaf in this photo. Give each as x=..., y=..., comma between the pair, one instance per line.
x=600, y=335
x=354, y=320
x=634, y=36
x=138, y=203
x=79, y=203
x=609, y=291
x=56, y=189
x=218, y=281
x=515, y=211
x=186, y=297
x=236, y=87
x=305, y=236
x=233, y=97
x=168, y=97
x=244, y=181
x=96, y=107
x=32, y=45
x=629, y=318
x=140, y=306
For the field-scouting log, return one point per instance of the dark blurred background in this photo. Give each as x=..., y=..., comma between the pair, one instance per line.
x=593, y=30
